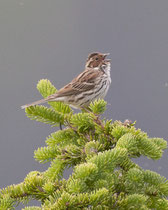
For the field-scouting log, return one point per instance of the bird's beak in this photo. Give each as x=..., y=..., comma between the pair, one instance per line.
x=105, y=54
x=108, y=60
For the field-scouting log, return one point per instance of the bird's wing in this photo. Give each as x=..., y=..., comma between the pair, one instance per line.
x=84, y=82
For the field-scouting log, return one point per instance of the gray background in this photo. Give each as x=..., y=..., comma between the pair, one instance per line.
x=51, y=39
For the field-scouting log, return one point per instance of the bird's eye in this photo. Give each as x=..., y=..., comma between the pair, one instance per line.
x=96, y=58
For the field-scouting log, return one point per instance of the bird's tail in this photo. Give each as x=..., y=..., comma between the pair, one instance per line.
x=42, y=101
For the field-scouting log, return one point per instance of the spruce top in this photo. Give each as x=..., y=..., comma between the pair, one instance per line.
x=100, y=153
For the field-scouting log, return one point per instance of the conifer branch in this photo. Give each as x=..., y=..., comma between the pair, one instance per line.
x=44, y=114
x=100, y=152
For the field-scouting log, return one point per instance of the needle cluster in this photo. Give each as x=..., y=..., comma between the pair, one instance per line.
x=101, y=153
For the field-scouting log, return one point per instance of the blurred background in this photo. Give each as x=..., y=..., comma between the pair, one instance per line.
x=51, y=39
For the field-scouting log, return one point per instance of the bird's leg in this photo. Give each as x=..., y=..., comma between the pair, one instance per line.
x=97, y=118
x=86, y=109
x=60, y=125
x=98, y=121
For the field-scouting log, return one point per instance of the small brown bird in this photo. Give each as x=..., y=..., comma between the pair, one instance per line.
x=93, y=83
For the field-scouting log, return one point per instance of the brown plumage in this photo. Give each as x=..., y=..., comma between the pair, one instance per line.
x=91, y=84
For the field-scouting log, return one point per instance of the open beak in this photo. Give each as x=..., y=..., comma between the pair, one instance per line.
x=108, y=60
x=105, y=55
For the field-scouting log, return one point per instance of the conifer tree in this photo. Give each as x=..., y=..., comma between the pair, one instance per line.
x=100, y=152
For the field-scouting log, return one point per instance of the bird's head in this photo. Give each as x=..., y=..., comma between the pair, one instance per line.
x=97, y=60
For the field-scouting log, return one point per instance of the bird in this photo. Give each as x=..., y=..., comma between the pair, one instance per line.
x=93, y=83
